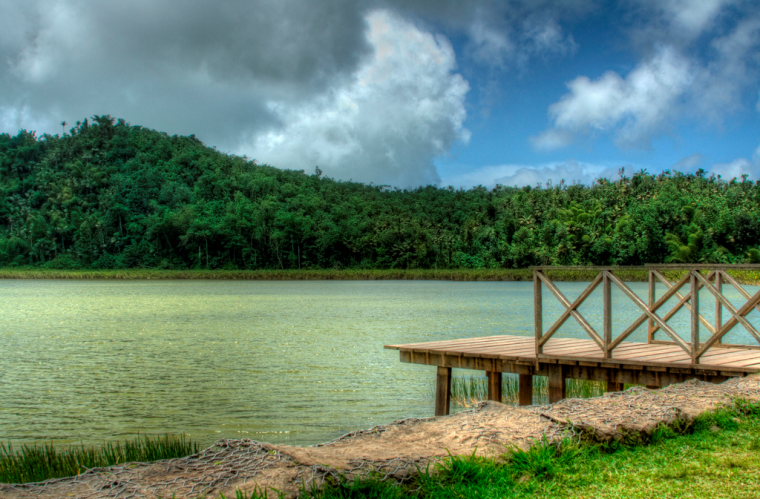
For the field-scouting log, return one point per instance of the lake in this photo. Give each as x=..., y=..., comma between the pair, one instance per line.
x=296, y=362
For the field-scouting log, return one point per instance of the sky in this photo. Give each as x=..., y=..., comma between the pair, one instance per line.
x=405, y=93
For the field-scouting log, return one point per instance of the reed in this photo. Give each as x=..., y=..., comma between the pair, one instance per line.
x=272, y=274
x=560, y=274
x=38, y=462
x=467, y=391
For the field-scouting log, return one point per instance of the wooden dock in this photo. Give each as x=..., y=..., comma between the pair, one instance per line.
x=601, y=357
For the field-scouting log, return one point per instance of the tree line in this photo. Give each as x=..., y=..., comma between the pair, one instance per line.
x=108, y=194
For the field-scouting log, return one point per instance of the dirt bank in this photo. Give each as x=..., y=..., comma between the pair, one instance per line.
x=395, y=450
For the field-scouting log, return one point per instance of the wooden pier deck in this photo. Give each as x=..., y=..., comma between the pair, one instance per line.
x=601, y=357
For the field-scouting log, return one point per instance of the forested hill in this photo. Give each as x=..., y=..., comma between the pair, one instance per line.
x=111, y=195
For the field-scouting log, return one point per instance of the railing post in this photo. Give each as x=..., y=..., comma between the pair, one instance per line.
x=538, y=312
x=718, y=304
x=607, y=313
x=694, y=316
x=652, y=300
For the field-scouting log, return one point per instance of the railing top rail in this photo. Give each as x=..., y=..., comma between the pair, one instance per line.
x=587, y=267
x=654, y=266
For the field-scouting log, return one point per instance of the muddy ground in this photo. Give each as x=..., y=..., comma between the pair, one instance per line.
x=396, y=450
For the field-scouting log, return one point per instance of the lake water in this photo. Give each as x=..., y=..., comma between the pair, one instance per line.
x=297, y=362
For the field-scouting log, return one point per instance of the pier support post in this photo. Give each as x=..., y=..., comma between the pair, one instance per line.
x=557, y=388
x=615, y=386
x=525, y=395
x=494, y=385
x=443, y=391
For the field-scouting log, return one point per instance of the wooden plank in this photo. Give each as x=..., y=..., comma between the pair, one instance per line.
x=507, y=348
x=459, y=341
x=443, y=391
x=468, y=341
x=658, y=358
x=580, y=352
x=571, y=348
x=654, y=354
x=739, y=363
x=720, y=357
x=625, y=350
x=645, y=347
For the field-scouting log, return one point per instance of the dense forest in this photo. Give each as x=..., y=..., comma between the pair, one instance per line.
x=111, y=195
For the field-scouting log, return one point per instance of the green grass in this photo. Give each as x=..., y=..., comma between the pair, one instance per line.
x=466, y=391
x=315, y=274
x=561, y=274
x=718, y=455
x=38, y=462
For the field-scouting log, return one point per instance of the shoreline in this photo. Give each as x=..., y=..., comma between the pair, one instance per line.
x=399, y=450
x=495, y=275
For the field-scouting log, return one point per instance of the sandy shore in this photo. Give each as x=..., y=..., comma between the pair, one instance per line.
x=396, y=450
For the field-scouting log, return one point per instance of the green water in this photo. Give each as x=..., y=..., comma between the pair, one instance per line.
x=298, y=362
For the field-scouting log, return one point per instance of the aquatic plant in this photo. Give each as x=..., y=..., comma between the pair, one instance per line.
x=38, y=462
x=467, y=391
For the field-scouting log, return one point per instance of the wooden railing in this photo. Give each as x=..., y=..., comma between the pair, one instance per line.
x=692, y=282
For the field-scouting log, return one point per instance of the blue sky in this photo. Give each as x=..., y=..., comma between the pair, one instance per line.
x=607, y=40
x=405, y=93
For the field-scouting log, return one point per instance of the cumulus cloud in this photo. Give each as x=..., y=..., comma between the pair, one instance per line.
x=679, y=21
x=738, y=167
x=404, y=106
x=359, y=91
x=522, y=31
x=697, y=62
x=689, y=163
x=204, y=68
x=734, y=66
x=635, y=107
x=571, y=172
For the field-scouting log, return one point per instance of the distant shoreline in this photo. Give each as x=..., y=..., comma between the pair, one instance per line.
x=327, y=274
x=561, y=274
x=272, y=274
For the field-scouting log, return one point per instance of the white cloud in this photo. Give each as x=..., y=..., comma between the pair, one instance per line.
x=403, y=107
x=689, y=17
x=516, y=37
x=698, y=63
x=634, y=107
x=571, y=172
x=720, y=84
x=738, y=167
x=689, y=163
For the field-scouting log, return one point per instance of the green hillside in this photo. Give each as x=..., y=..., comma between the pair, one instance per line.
x=112, y=195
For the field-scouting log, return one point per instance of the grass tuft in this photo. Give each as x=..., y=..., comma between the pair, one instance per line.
x=39, y=462
x=713, y=456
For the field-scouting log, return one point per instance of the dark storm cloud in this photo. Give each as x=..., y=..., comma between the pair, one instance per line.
x=191, y=66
